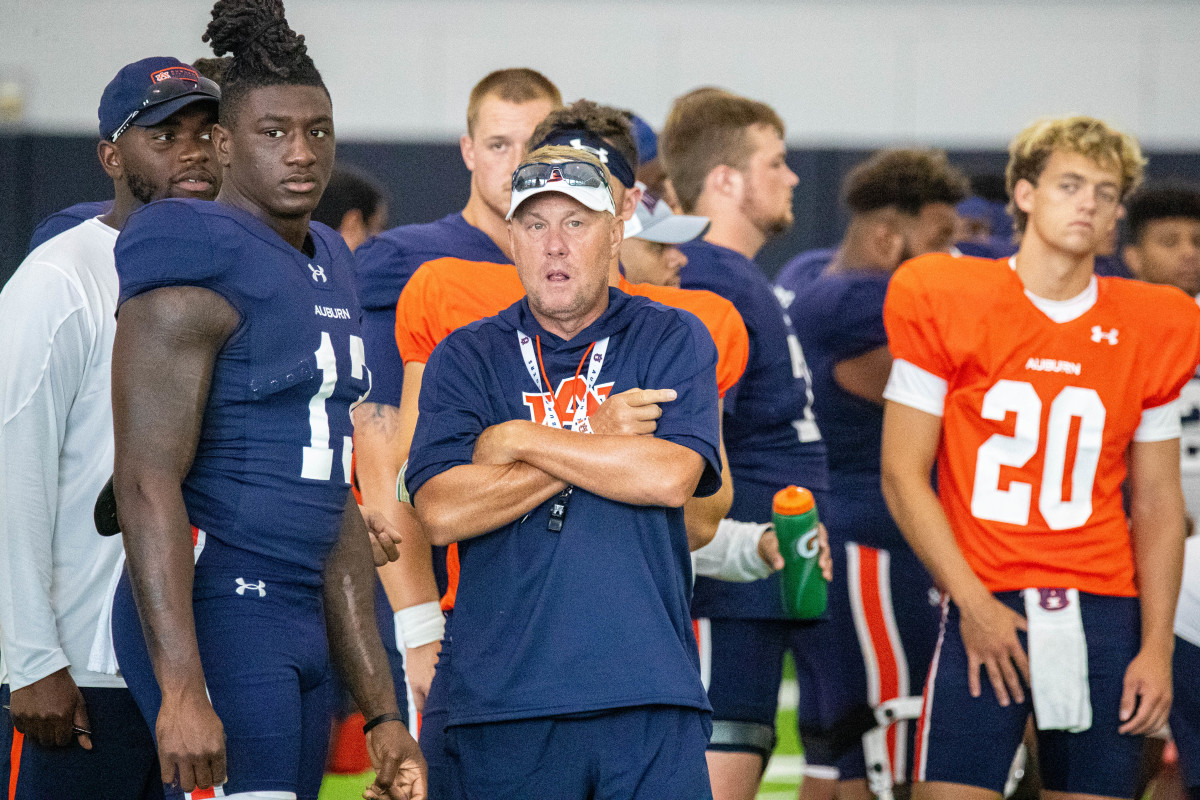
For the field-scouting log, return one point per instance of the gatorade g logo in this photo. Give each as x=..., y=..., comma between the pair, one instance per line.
x=807, y=545
x=573, y=391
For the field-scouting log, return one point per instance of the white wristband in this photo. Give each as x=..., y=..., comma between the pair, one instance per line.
x=420, y=624
x=401, y=490
x=732, y=555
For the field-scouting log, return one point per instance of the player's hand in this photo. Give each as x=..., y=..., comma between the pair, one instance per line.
x=768, y=549
x=989, y=634
x=385, y=538
x=419, y=665
x=49, y=710
x=400, y=771
x=1146, y=700
x=633, y=412
x=191, y=742
x=824, y=554
x=492, y=446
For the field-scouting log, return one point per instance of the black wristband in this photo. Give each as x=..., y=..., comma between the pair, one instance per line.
x=391, y=716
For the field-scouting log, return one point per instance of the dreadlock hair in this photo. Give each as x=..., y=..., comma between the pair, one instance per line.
x=266, y=51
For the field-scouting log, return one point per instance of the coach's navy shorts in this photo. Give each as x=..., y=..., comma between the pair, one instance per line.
x=1185, y=712
x=122, y=764
x=443, y=770
x=884, y=618
x=261, y=631
x=741, y=664
x=972, y=741
x=639, y=753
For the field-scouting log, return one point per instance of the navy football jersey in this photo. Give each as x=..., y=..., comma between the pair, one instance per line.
x=803, y=268
x=838, y=316
x=272, y=466
x=594, y=616
x=385, y=263
x=66, y=219
x=771, y=434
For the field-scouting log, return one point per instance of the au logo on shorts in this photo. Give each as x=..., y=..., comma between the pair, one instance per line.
x=1053, y=599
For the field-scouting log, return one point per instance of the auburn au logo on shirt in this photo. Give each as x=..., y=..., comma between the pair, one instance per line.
x=570, y=393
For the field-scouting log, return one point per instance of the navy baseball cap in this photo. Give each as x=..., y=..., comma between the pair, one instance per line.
x=146, y=92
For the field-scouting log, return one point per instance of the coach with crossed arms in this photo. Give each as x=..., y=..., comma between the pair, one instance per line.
x=570, y=657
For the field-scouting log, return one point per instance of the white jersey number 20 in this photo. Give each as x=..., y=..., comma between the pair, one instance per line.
x=1012, y=505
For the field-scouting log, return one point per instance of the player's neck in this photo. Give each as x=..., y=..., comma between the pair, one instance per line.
x=864, y=249
x=479, y=215
x=1050, y=272
x=732, y=229
x=293, y=230
x=124, y=204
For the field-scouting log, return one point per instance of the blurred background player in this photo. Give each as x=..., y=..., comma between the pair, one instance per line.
x=650, y=251
x=547, y=698
x=83, y=735
x=1038, y=388
x=1164, y=247
x=725, y=159
x=883, y=623
x=211, y=68
x=248, y=563
x=502, y=112
x=354, y=205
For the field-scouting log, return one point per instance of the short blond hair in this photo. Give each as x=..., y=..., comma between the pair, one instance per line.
x=707, y=128
x=1087, y=136
x=517, y=85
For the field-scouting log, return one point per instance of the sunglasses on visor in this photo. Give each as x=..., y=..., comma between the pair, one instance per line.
x=164, y=91
x=574, y=173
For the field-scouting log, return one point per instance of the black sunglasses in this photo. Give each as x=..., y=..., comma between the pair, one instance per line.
x=574, y=173
x=166, y=90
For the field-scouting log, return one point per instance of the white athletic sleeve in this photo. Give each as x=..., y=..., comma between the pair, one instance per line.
x=732, y=555
x=42, y=358
x=1159, y=424
x=912, y=386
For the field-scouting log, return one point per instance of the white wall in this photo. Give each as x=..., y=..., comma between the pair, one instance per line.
x=841, y=73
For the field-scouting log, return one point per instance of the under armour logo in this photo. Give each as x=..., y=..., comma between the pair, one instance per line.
x=318, y=273
x=1053, y=599
x=1099, y=334
x=598, y=152
x=259, y=587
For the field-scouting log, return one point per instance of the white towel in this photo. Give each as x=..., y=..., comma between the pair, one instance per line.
x=103, y=658
x=1058, y=662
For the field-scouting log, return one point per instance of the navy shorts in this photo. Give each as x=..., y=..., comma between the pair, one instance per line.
x=884, y=617
x=444, y=782
x=972, y=741
x=639, y=753
x=1185, y=712
x=122, y=764
x=263, y=647
x=741, y=665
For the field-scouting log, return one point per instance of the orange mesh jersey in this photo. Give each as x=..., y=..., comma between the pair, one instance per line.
x=1039, y=415
x=445, y=294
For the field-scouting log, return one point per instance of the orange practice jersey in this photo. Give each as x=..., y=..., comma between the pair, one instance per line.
x=445, y=294
x=1039, y=415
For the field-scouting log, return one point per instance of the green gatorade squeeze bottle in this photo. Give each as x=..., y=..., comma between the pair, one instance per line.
x=802, y=584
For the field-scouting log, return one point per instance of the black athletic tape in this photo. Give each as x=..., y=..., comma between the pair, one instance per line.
x=749, y=737
x=104, y=513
